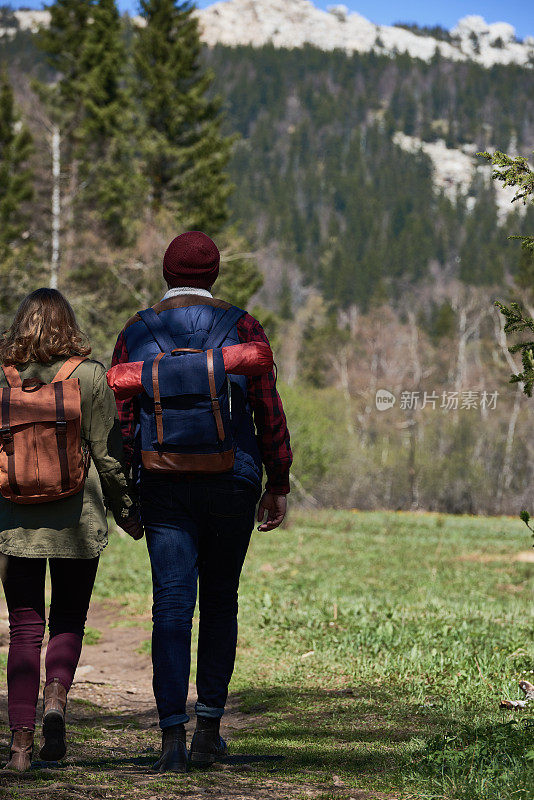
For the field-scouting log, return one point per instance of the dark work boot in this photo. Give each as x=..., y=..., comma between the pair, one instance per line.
x=55, y=703
x=20, y=757
x=207, y=745
x=173, y=751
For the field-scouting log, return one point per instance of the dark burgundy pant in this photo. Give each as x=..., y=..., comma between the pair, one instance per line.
x=24, y=585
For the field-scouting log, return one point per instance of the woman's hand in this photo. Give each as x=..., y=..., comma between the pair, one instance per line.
x=133, y=525
x=275, y=506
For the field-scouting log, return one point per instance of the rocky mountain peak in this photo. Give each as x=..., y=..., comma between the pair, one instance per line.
x=294, y=23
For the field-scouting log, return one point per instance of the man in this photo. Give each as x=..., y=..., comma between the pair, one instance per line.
x=198, y=527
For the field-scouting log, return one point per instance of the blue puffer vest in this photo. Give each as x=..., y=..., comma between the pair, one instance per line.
x=189, y=319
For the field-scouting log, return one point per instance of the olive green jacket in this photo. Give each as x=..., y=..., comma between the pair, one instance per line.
x=74, y=527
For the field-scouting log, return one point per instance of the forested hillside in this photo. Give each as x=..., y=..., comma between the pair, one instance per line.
x=318, y=174
x=319, y=179
x=376, y=275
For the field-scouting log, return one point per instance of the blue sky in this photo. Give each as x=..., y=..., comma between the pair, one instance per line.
x=519, y=13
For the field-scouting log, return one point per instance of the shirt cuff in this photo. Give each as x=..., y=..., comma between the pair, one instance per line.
x=278, y=482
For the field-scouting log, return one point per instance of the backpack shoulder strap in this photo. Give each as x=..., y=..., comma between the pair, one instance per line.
x=66, y=369
x=215, y=407
x=157, y=330
x=223, y=327
x=158, y=411
x=14, y=381
x=6, y=438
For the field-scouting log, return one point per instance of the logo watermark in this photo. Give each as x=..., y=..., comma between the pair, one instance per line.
x=384, y=399
x=444, y=400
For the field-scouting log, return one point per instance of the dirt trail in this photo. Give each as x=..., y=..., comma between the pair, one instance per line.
x=112, y=696
x=114, y=672
x=524, y=557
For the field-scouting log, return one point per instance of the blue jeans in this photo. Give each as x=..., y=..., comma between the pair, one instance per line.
x=197, y=529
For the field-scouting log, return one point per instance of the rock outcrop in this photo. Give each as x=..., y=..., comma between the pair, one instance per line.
x=294, y=23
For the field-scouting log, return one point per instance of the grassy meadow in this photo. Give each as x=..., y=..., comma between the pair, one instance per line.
x=374, y=650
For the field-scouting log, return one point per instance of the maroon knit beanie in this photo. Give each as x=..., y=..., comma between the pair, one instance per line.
x=192, y=259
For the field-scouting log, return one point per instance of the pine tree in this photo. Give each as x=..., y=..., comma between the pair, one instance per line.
x=106, y=131
x=62, y=41
x=240, y=277
x=84, y=44
x=103, y=190
x=524, y=279
x=514, y=172
x=100, y=63
x=16, y=180
x=186, y=153
x=16, y=190
x=482, y=255
x=517, y=172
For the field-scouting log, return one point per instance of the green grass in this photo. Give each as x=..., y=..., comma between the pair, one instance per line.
x=91, y=636
x=145, y=647
x=385, y=606
x=374, y=649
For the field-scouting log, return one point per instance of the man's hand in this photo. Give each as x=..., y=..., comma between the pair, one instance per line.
x=132, y=525
x=275, y=506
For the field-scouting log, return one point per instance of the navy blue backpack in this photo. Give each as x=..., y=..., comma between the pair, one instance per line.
x=185, y=409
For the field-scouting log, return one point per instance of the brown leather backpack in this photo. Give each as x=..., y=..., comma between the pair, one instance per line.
x=41, y=453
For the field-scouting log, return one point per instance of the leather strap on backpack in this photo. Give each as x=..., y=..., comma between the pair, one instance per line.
x=179, y=350
x=66, y=369
x=12, y=376
x=158, y=411
x=6, y=437
x=215, y=407
x=61, y=436
x=64, y=372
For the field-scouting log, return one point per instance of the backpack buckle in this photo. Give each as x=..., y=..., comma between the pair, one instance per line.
x=61, y=432
x=6, y=437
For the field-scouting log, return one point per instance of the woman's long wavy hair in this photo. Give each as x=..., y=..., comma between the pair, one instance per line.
x=44, y=328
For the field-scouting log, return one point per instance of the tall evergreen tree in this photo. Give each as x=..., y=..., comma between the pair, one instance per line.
x=483, y=251
x=517, y=172
x=84, y=43
x=62, y=42
x=240, y=277
x=186, y=153
x=16, y=180
x=16, y=189
x=524, y=279
x=103, y=189
x=106, y=134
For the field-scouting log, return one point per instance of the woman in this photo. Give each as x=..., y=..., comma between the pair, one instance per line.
x=70, y=532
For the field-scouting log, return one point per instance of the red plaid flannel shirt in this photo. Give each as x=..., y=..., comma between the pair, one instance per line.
x=269, y=418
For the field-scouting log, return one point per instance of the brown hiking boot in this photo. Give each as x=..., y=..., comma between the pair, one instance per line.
x=54, y=702
x=207, y=745
x=173, y=751
x=21, y=750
